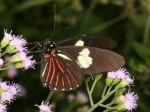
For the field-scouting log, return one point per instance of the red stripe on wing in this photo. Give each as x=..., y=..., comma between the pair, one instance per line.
x=49, y=69
x=54, y=69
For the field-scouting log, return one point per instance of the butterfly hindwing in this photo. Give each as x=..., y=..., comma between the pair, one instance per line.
x=93, y=41
x=94, y=60
x=60, y=73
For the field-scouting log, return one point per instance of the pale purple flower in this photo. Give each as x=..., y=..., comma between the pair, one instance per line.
x=6, y=97
x=3, y=86
x=1, y=61
x=129, y=100
x=121, y=73
x=112, y=75
x=13, y=89
x=8, y=35
x=19, y=43
x=82, y=97
x=9, y=93
x=71, y=97
x=129, y=79
x=44, y=108
x=2, y=108
x=27, y=62
x=85, y=108
x=11, y=73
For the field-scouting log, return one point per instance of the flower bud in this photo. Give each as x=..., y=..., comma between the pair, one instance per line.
x=87, y=78
x=109, y=81
x=98, y=76
x=122, y=84
x=15, y=58
x=18, y=65
x=121, y=107
x=4, y=42
x=116, y=81
x=11, y=49
x=120, y=92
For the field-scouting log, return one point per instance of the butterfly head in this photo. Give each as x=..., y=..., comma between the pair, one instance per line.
x=48, y=45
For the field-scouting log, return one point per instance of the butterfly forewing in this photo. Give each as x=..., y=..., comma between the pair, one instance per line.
x=93, y=41
x=60, y=73
x=94, y=60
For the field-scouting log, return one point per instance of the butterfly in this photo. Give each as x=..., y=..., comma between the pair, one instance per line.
x=64, y=62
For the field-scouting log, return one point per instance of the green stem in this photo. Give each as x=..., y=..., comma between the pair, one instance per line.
x=103, y=94
x=92, y=88
x=7, y=68
x=89, y=93
x=102, y=100
x=110, y=109
x=49, y=97
x=109, y=89
x=3, y=53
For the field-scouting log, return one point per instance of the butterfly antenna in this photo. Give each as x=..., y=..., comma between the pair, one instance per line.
x=54, y=19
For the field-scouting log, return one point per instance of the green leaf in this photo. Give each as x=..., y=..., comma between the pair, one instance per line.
x=142, y=51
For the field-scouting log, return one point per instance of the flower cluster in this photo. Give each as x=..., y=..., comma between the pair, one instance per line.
x=128, y=101
x=121, y=78
x=8, y=93
x=121, y=75
x=44, y=107
x=15, y=45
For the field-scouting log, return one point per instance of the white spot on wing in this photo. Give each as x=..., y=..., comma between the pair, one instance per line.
x=55, y=89
x=63, y=89
x=64, y=56
x=44, y=69
x=84, y=60
x=79, y=43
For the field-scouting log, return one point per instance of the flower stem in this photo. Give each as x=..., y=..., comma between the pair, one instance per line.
x=103, y=94
x=102, y=100
x=3, y=53
x=89, y=93
x=6, y=68
x=49, y=97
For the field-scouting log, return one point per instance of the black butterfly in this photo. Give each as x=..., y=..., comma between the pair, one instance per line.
x=64, y=62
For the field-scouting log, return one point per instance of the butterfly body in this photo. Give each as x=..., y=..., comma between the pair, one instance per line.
x=62, y=66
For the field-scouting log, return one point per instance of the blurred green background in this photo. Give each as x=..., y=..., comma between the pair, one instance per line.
x=125, y=21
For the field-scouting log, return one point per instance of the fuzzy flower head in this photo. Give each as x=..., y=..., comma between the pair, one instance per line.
x=121, y=75
x=44, y=108
x=1, y=61
x=8, y=35
x=82, y=97
x=7, y=38
x=23, y=60
x=9, y=92
x=19, y=43
x=129, y=101
x=3, y=86
x=2, y=108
